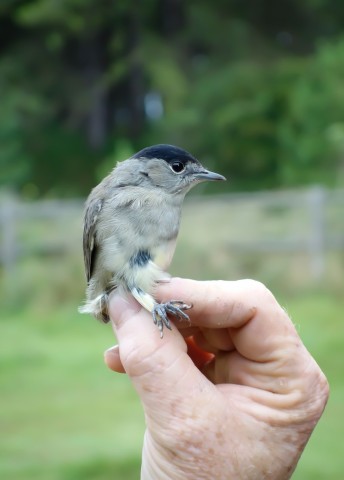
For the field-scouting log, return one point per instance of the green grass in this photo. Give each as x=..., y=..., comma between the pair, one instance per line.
x=63, y=415
x=319, y=320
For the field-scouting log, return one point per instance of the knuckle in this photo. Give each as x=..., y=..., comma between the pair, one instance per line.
x=324, y=387
x=259, y=293
x=318, y=390
x=257, y=287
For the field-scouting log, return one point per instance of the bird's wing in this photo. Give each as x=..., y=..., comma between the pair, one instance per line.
x=89, y=238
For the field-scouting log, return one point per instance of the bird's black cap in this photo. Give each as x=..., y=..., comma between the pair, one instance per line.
x=169, y=153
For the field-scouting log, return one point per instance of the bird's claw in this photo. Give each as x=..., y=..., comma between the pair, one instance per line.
x=173, y=307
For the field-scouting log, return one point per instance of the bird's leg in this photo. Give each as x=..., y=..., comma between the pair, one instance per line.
x=160, y=311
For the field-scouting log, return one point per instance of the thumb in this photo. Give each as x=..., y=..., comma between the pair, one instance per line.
x=159, y=368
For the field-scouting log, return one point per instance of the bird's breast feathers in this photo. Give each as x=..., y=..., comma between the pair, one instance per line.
x=145, y=268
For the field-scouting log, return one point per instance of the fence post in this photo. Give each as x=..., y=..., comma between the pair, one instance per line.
x=8, y=227
x=316, y=199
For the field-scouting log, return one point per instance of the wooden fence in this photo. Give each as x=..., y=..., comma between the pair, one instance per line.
x=14, y=212
x=324, y=225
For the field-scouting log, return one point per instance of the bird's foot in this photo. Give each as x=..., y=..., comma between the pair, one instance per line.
x=173, y=307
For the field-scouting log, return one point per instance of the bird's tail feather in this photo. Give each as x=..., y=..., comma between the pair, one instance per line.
x=98, y=307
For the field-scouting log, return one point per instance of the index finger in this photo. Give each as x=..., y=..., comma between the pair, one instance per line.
x=258, y=325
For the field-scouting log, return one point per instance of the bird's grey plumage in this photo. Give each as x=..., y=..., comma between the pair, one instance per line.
x=131, y=225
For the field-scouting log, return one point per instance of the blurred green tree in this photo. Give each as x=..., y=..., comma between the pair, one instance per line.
x=253, y=88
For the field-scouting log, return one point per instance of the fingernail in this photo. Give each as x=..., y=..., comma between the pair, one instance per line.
x=111, y=352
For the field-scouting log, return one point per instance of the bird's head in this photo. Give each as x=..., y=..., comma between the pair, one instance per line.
x=170, y=168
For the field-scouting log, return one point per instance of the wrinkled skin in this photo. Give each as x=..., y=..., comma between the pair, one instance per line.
x=241, y=403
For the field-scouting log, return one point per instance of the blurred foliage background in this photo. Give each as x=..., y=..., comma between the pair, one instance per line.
x=85, y=83
x=254, y=89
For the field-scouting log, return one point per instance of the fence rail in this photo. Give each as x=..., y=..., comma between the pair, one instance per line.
x=323, y=225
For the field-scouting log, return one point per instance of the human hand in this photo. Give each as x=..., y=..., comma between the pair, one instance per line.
x=248, y=408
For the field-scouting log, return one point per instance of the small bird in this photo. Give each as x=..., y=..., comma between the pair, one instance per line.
x=131, y=225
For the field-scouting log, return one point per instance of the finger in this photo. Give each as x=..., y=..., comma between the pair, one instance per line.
x=231, y=367
x=214, y=340
x=199, y=356
x=215, y=304
x=160, y=368
x=258, y=326
x=187, y=331
x=112, y=359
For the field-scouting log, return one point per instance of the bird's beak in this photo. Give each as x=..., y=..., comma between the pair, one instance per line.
x=205, y=175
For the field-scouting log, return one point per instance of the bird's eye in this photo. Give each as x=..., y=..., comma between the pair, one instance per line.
x=177, y=166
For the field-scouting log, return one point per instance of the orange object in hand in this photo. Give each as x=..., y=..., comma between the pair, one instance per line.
x=198, y=356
